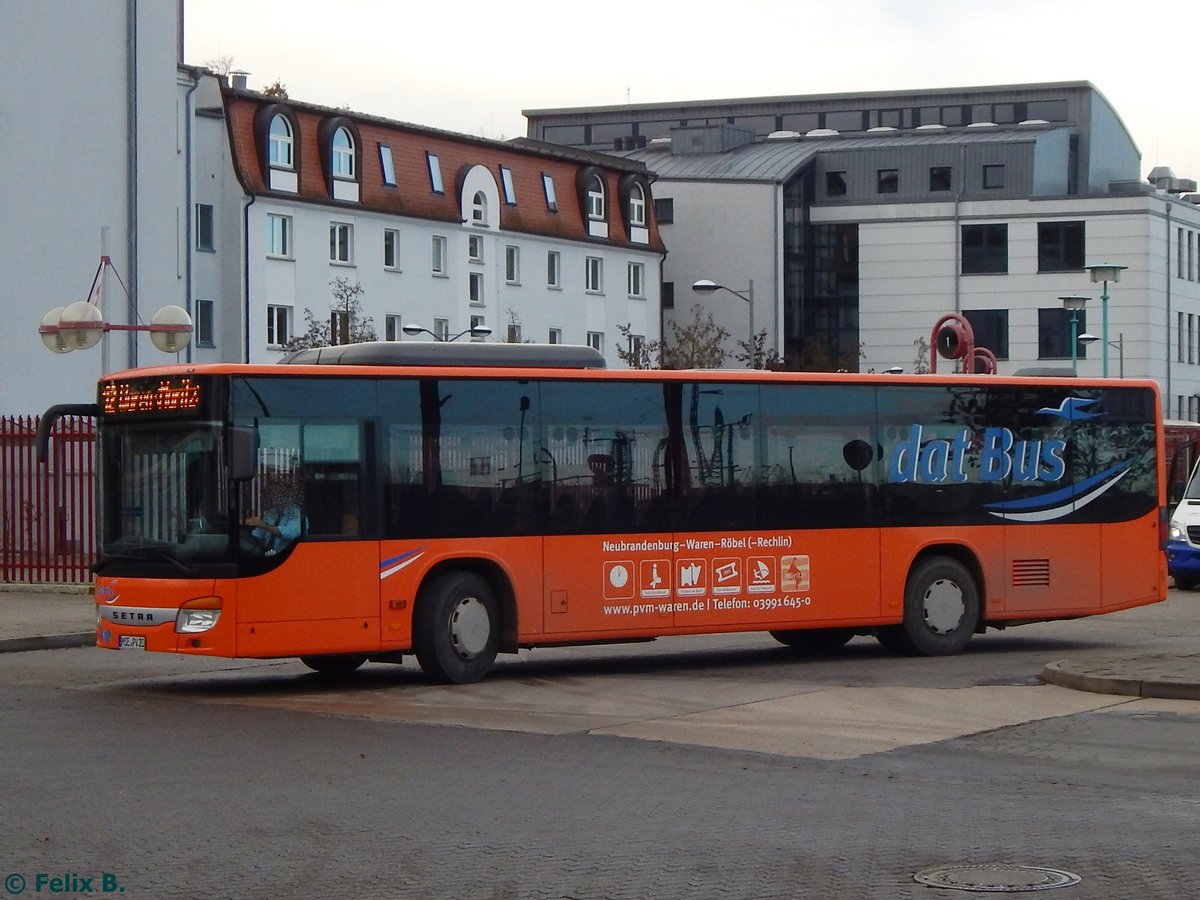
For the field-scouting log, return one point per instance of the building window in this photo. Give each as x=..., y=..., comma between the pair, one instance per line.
x=339, y=327
x=991, y=329
x=939, y=178
x=512, y=264
x=1179, y=337
x=435, y=173
x=993, y=177
x=984, y=249
x=479, y=212
x=439, y=255
x=637, y=207
x=475, y=248
x=441, y=329
x=548, y=187
x=835, y=184
x=553, y=269
x=1191, y=257
x=386, y=164
x=636, y=278
x=279, y=236
x=595, y=340
x=1060, y=246
x=510, y=191
x=594, y=275
x=664, y=211
x=554, y=336
x=514, y=333
x=391, y=248
x=636, y=343
x=477, y=322
x=204, y=226
x=475, y=287
x=205, y=325
x=667, y=295
x=392, y=327
x=887, y=181
x=1054, y=333
x=279, y=151
x=343, y=154
x=279, y=320
x=341, y=243
x=595, y=199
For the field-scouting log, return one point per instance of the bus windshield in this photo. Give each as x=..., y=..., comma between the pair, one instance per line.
x=165, y=498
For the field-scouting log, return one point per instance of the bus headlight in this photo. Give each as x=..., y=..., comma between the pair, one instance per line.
x=197, y=615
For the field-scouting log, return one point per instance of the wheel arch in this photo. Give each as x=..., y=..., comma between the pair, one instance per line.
x=968, y=558
x=499, y=581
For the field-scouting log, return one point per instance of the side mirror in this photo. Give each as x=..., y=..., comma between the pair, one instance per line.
x=243, y=452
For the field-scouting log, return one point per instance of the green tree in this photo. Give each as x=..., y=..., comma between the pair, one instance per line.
x=345, y=323
x=276, y=89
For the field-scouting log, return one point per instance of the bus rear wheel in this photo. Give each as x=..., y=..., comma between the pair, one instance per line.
x=814, y=640
x=334, y=664
x=941, y=610
x=456, y=628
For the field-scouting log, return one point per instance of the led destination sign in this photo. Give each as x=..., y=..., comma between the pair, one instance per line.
x=170, y=393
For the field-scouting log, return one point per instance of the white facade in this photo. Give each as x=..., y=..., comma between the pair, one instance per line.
x=91, y=145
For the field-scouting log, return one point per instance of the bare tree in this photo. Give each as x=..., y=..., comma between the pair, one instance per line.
x=345, y=323
x=697, y=345
x=221, y=65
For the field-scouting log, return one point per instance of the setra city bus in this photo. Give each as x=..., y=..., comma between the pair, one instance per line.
x=455, y=501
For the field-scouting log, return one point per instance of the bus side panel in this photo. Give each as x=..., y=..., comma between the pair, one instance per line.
x=1135, y=568
x=405, y=565
x=605, y=585
x=324, y=598
x=899, y=547
x=1052, y=570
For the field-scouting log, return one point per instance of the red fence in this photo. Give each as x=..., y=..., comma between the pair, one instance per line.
x=47, y=512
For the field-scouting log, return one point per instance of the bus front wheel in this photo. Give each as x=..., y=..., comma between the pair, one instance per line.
x=941, y=610
x=456, y=628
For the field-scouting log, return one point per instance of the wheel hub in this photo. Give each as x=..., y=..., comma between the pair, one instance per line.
x=470, y=628
x=944, y=606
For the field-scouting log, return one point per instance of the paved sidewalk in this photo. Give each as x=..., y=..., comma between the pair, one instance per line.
x=46, y=617
x=37, y=617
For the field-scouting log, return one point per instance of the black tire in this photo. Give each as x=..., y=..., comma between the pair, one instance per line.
x=1184, y=582
x=814, y=640
x=334, y=664
x=456, y=628
x=941, y=610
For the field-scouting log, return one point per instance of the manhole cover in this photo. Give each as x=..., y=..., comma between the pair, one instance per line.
x=996, y=878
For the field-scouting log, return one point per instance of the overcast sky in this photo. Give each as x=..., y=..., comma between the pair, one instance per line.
x=472, y=66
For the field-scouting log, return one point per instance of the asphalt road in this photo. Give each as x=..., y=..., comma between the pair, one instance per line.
x=709, y=767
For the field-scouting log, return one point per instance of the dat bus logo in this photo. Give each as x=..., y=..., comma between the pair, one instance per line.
x=1001, y=455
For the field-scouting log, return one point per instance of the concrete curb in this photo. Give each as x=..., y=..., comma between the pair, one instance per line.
x=1076, y=677
x=48, y=642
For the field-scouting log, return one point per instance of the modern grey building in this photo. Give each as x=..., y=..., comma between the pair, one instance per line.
x=860, y=219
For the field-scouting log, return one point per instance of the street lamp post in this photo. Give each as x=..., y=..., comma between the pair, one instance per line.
x=475, y=331
x=1073, y=305
x=706, y=286
x=1105, y=272
x=1119, y=343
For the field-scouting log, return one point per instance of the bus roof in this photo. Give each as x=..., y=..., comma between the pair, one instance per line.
x=445, y=353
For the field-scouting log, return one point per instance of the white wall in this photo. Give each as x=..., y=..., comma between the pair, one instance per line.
x=65, y=151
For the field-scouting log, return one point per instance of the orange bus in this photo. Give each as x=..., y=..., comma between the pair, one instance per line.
x=453, y=501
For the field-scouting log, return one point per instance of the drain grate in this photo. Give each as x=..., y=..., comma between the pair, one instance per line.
x=996, y=879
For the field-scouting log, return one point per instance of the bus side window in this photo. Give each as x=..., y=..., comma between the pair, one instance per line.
x=332, y=462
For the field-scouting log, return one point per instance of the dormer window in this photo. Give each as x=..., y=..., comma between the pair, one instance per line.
x=281, y=143
x=343, y=154
x=595, y=199
x=637, y=207
x=479, y=211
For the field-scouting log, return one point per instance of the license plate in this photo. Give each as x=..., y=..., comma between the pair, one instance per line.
x=132, y=642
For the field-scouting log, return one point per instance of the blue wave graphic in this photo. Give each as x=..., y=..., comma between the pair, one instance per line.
x=1061, y=502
